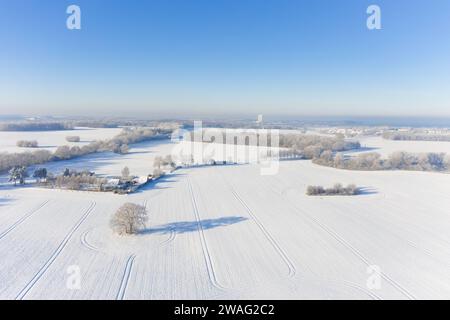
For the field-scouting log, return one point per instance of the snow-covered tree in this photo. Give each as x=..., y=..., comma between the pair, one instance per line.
x=40, y=174
x=18, y=173
x=129, y=219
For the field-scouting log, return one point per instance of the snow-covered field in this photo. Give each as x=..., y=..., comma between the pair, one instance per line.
x=386, y=147
x=228, y=232
x=50, y=140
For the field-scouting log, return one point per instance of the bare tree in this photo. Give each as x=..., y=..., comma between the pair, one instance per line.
x=125, y=173
x=129, y=219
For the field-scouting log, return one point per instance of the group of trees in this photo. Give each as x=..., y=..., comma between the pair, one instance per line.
x=312, y=146
x=75, y=180
x=396, y=161
x=18, y=173
x=415, y=136
x=35, y=126
x=159, y=163
x=337, y=189
x=129, y=219
x=27, y=143
x=118, y=144
x=73, y=139
x=298, y=144
x=40, y=174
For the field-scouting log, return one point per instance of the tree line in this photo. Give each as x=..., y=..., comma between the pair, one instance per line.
x=399, y=160
x=35, y=126
x=118, y=144
x=412, y=136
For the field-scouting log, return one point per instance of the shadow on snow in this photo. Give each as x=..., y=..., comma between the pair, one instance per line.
x=192, y=226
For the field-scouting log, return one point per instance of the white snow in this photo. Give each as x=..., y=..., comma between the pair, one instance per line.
x=50, y=140
x=228, y=232
x=386, y=147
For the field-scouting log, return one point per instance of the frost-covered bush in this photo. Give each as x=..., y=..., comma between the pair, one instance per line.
x=337, y=189
x=73, y=139
x=27, y=143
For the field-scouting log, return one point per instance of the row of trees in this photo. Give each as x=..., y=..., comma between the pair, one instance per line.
x=118, y=144
x=396, y=161
x=337, y=189
x=76, y=181
x=312, y=145
x=35, y=126
x=413, y=136
x=306, y=145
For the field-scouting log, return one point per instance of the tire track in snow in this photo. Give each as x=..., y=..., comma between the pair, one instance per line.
x=125, y=277
x=23, y=219
x=85, y=242
x=171, y=238
x=172, y=234
x=355, y=251
x=280, y=251
x=342, y=241
x=55, y=254
x=206, y=254
x=343, y=283
x=277, y=247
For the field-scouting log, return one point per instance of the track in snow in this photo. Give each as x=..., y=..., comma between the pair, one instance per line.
x=55, y=254
x=280, y=251
x=171, y=237
x=23, y=219
x=355, y=251
x=84, y=241
x=125, y=278
x=206, y=253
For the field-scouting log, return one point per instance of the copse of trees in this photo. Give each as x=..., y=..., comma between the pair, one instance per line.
x=312, y=145
x=27, y=143
x=337, y=189
x=129, y=219
x=73, y=139
x=76, y=180
x=11, y=160
x=40, y=174
x=306, y=145
x=396, y=161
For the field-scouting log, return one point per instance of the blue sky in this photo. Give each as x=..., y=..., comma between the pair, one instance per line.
x=195, y=57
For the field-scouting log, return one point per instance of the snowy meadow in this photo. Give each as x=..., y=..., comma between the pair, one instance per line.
x=226, y=231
